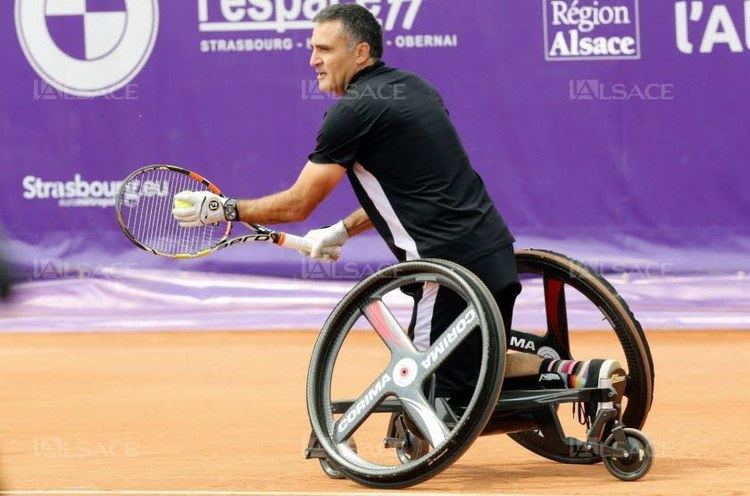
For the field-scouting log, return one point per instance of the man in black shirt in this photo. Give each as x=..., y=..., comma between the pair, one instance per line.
x=391, y=135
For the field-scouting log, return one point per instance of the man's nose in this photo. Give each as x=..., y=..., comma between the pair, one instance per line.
x=314, y=59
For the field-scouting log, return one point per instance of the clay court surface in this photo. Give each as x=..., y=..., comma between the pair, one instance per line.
x=224, y=413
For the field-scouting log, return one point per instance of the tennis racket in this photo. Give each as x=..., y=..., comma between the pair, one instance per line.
x=144, y=213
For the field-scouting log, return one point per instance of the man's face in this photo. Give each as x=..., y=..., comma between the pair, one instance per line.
x=332, y=58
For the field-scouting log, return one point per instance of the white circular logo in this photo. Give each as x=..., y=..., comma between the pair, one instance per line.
x=547, y=352
x=404, y=372
x=87, y=47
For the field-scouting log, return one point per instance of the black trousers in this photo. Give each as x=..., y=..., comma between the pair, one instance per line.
x=436, y=307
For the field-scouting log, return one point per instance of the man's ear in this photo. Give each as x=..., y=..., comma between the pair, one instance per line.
x=363, y=52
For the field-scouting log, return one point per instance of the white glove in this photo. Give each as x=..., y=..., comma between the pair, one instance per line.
x=326, y=242
x=198, y=208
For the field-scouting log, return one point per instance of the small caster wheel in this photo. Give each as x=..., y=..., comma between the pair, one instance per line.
x=414, y=446
x=330, y=468
x=639, y=459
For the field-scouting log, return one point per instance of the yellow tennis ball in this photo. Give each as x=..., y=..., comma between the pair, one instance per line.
x=182, y=204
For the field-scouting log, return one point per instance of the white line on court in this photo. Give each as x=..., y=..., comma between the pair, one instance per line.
x=138, y=492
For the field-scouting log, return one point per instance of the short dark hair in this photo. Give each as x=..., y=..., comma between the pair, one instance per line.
x=359, y=23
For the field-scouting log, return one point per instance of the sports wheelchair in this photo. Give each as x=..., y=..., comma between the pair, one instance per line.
x=425, y=433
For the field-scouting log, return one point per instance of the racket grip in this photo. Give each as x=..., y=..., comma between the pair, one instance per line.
x=297, y=243
x=294, y=242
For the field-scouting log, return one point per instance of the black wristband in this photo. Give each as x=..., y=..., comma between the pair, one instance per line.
x=230, y=210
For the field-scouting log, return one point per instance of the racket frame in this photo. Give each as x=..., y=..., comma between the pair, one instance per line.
x=262, y=234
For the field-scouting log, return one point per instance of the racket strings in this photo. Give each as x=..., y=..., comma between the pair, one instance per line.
x=146, y=210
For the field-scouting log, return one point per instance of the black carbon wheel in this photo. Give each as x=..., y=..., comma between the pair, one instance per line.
x=640, y=458
x=405, y=376
x=563, y=279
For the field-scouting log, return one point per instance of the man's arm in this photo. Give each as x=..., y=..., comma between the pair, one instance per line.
x=295, y=204
x=357, y=222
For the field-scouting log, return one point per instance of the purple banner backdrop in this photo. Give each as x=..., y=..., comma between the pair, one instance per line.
x=617, y=122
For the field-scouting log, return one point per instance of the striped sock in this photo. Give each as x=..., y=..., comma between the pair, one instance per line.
x=574, y=373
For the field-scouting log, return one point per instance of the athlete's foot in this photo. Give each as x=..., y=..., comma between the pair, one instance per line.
x=583, y=373
x=586, y=374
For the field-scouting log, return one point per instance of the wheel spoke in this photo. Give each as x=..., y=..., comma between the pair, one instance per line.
x=447, y=343
x=362, y=407
x=423, y=415
x=557, y=313
x=388, y=328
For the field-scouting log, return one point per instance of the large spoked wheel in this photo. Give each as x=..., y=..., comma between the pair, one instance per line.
x=568, y=289
x=406, y=376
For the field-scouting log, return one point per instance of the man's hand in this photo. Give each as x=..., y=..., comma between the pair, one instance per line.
x=327, y=242
x=198, y=208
